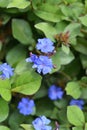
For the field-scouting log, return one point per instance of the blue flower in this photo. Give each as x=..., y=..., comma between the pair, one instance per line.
x=41, y=63
x=45, y=45
x=41, y=123
x=32, y=58
x=5, y=71
x=26, y=106
x=55, y=92
x=77, y=102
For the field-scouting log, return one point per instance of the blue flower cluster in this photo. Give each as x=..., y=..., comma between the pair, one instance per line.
x=6, y=71
x=55, y=92
x=77, y=102
x=26, y=106
x=41, y=123
x=45, y=45
x=42, y=63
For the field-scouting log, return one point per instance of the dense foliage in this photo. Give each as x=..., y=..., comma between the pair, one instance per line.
x=43, y=65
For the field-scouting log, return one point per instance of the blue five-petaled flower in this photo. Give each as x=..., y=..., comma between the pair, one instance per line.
x=45, y=45
x=77, y=102
x=26, y=106
x=55, y=92
x=41, y=63
x=6, y=71
x=41, y=123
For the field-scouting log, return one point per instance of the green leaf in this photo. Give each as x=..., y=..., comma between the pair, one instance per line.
x=15, y=119
x=5, y=89
x=4, y=110
x=66, y=11
x=46, y=12
x=27, y=127
x=86, y=4
x=83, y=60
x=60, y=26
x=45, y=27
x=77, y=9
x=85, y=126
x=27, y=83
x=73, y=89
x=5, y=18
x=21, y=4
x=64, y=127
x=83, y=82
x=81, y=46
x=84, y=93
x=16, y=54
x=73, y=69
x=22, y=31
x=83, y=20
x=56, y=61
x=61, y=103
x=41, y=93
x=53, y=2
x=77, y=128
x=74, y=30
x=4, y=127
x=4, y=3
x=63, y=57
x=63, y=116
x=23, y=66
x=65, y=49
x=75, y=116
x=44, y=107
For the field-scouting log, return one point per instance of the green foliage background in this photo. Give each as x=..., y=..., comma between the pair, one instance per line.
x=22, y=22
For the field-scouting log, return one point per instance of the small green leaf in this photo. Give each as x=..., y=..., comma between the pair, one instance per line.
x=47, y=29
x=5, y=89
x=75, y=116
x=16, y=54
x=22, y=31
x=83, y=20
x=27, y=127
x=73, y=89
x=65, y=49
x=4, y=128
x=27, y=83
x=21, y=4
x=4, y=110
